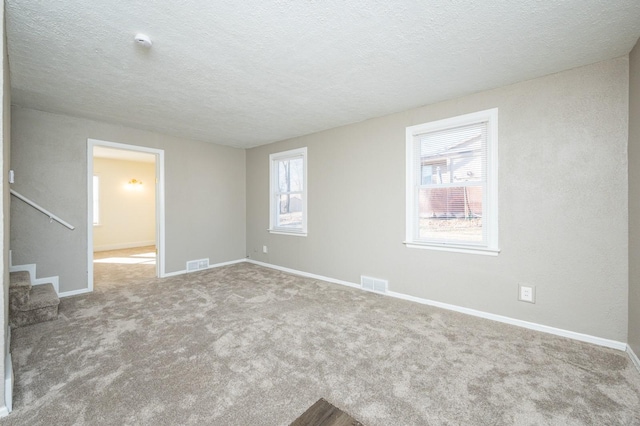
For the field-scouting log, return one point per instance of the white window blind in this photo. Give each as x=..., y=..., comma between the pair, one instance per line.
x=451, y=198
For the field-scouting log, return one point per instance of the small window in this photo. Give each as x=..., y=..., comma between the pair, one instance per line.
x=288, y=190
x=96, y=200
x=452, y=191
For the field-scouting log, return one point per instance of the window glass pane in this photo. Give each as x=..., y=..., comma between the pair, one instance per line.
x=435, y=172
x=453, y=214
x=467, y=168
x=452, y=186
x=454, y=155
x=288, y=201
x=290, y=211
x=290, y=174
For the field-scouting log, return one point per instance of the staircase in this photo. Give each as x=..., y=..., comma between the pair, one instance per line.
x=30, y=304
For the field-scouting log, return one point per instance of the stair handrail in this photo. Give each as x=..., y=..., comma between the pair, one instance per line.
x=42, y=209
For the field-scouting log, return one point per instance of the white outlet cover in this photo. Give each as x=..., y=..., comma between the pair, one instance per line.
x=526, y=293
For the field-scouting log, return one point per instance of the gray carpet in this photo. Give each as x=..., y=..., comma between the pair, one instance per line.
x=245, y=345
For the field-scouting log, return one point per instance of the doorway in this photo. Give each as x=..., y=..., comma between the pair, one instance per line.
x=125, y=211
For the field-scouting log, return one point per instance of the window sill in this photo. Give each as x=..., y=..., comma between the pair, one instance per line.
x=453, y=248
x=285, y=232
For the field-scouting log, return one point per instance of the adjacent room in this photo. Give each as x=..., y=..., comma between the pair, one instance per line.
x=275, y=213
x=123, y=215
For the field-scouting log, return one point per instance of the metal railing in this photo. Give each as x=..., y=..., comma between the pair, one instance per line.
x=42, y=209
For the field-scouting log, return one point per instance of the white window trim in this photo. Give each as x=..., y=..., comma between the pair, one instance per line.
x=491, y=247
x=273, y=184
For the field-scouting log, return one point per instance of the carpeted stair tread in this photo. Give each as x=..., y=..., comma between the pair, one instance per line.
x=40, y=296
x=19, y=279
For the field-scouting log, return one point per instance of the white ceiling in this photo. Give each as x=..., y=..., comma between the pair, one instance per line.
x=246, y=73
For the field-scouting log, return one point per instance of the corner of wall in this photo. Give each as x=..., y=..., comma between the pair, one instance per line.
x=633, y=164
x=5, y=134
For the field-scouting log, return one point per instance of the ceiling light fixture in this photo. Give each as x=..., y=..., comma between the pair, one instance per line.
x=143, y=40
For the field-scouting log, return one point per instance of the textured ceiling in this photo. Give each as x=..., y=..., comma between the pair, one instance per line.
x=246, y=73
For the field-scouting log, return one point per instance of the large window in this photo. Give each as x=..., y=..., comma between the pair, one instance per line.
x=288, y=190
x=452, y=185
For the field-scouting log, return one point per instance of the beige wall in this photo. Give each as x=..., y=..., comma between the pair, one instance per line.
x=5, y=200
x=127, y=214
x=634, y=200
x=562, y=195
x=204, y=194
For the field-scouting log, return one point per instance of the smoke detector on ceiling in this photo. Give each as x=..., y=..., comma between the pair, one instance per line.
x=143, y=40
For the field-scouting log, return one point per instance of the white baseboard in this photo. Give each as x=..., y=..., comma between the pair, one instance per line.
x=634, y=357
x=173, y=274
x=614, y=344
x=513, y=321
x=119, y=246
x=216, y=265
x=55, y=281
x=304, y=274
x=74, y=292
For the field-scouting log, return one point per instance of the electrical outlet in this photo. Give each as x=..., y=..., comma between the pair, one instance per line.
x=264, y=249
x=526, y=293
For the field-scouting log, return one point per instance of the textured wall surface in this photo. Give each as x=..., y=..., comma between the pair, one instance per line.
x=204, y=194
x=562, y=204
x=634, y=199
x=127, y=214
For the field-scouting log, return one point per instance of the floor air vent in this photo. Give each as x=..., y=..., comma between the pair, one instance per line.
x=374, y=284
x=195, y=265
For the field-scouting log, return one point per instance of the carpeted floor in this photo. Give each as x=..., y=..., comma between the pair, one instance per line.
x=245, y=345
x=116, y=268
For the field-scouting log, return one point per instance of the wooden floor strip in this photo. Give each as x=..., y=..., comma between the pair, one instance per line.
x=323, y=413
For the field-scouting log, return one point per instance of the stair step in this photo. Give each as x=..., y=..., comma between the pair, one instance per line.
x=41, y=306
x=19, y=287
x=19, y=279
x=40, y=296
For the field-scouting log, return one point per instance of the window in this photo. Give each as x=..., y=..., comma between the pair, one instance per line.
x=288, y=189
x=452, y=185
x=96, y=200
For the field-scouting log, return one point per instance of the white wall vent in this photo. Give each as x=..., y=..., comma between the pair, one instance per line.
x=374, y=284
x=195, y=265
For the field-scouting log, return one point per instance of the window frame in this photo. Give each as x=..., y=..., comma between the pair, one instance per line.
x=490, y=196
x=274, y=193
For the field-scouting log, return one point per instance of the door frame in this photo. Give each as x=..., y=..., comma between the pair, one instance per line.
x=159, y=207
